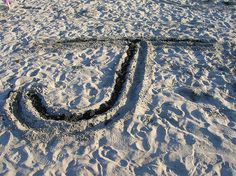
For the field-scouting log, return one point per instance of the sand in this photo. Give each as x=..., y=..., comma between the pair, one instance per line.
x=118, y=88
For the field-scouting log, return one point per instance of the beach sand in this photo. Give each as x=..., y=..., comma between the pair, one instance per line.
x=118, y=88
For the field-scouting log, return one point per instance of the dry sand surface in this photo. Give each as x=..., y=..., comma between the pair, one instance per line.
x=111, y=87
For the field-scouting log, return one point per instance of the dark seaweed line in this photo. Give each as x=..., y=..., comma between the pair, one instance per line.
x=30, y=7
x=229, y=3
x=36, y=100
x=168, y=41
x=139, y=39
x=16, y=107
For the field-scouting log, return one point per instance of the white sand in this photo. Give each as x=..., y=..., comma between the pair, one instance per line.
x=175, y=115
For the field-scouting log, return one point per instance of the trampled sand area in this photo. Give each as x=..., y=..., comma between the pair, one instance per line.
x=118, y=87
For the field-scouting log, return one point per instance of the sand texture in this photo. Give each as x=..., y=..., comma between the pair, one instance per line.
x=118, y=87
